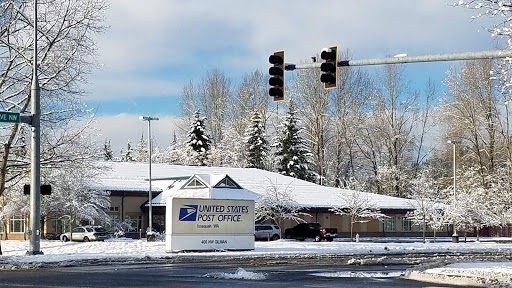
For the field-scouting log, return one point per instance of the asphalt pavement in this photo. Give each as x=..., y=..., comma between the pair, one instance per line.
x=213, y=275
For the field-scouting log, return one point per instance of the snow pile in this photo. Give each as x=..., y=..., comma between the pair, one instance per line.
x=239, y=275
x=498, y=272
x=349, y=274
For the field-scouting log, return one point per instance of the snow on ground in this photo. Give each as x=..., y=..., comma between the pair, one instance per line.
x=56, y=251
x=491, y=272
x=121, y=249
x=239, y=274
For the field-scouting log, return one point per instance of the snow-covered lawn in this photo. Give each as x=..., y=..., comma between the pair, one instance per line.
x=54, y=250
x=122, y=249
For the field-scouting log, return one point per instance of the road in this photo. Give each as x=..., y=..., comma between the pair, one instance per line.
x=211, y=275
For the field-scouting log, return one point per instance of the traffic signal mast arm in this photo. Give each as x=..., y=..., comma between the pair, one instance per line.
x=411, y=59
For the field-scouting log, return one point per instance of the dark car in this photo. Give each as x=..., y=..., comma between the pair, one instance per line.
x=86, y=233
x=310, y=230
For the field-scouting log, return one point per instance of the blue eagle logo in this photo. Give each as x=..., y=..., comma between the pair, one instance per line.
x=188, y=213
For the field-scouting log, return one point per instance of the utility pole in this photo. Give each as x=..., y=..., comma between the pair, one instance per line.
x=411, y=59
x=455, y=236
x=35, y=186
x=149, y=233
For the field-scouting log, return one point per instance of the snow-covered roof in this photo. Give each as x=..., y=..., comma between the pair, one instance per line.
x=128, y=176
x=178, y=189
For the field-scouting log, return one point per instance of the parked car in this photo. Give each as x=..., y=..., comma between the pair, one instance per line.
x=267, y=232
x=85, y=233
x=310, y=230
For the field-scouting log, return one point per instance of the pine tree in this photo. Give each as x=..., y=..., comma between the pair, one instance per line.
x=128, y=156
x=292, y=156
x=256, y=144
x=198, y=141
x=108, y=154
x=141, y=153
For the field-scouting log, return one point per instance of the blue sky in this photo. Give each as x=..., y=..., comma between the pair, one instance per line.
x=155, y=47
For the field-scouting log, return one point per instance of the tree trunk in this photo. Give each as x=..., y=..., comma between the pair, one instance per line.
x=351, y=231
x=424, y=231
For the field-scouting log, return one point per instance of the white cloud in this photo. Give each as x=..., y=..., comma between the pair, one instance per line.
x=154, y=47
x=110, y=85
x=123, y=127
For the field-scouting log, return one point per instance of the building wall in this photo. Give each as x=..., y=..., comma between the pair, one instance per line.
x=130, y=204
x=19, y=223
x=372, y=228
x=127, y=207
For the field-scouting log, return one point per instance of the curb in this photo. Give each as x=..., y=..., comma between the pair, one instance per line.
x=458, y=280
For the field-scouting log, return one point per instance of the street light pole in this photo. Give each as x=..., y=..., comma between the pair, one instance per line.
x=150, y=226
x=35, y=165
x=455, y=237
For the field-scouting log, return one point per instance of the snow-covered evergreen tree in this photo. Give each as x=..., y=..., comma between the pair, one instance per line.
x=292, y=155
x=256, y=144
x=198, y=141
x=108, y=154
x=176, y=152
x=141, y=153
x=128, y=154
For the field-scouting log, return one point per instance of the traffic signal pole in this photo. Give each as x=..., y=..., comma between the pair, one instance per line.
x=35, y=187
x=411, y=59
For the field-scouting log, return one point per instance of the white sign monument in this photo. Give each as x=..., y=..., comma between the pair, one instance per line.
x=198, y=224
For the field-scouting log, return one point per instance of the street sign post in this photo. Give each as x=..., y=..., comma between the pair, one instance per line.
x=9, y=117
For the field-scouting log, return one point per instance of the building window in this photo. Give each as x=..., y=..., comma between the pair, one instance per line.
x=195, y=184
x=86, y=222
x=159, y=223
x=135, y=222
x=406, y=224
x=389, y=224
x=114, y=209
x=227, y=183
x=115, y=219
x=17, y=224
x=60, y=226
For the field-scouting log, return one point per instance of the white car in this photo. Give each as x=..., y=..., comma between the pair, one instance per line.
x=267, y=232
x=85, y=233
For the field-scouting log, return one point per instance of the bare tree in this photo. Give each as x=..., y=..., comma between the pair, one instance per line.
x=348, y=107
x=473, y=113
x=428, y=203
x=66, y=55
x=394, y=115
x=278, y=205
x=252, y=96
x=214, y=94
x=358, y=206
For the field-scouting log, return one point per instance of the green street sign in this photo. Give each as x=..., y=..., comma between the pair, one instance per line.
x=10, y=117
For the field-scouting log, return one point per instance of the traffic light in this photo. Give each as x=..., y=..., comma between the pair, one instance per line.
x=329, y=67
x=276, y=72
x=45, y=189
